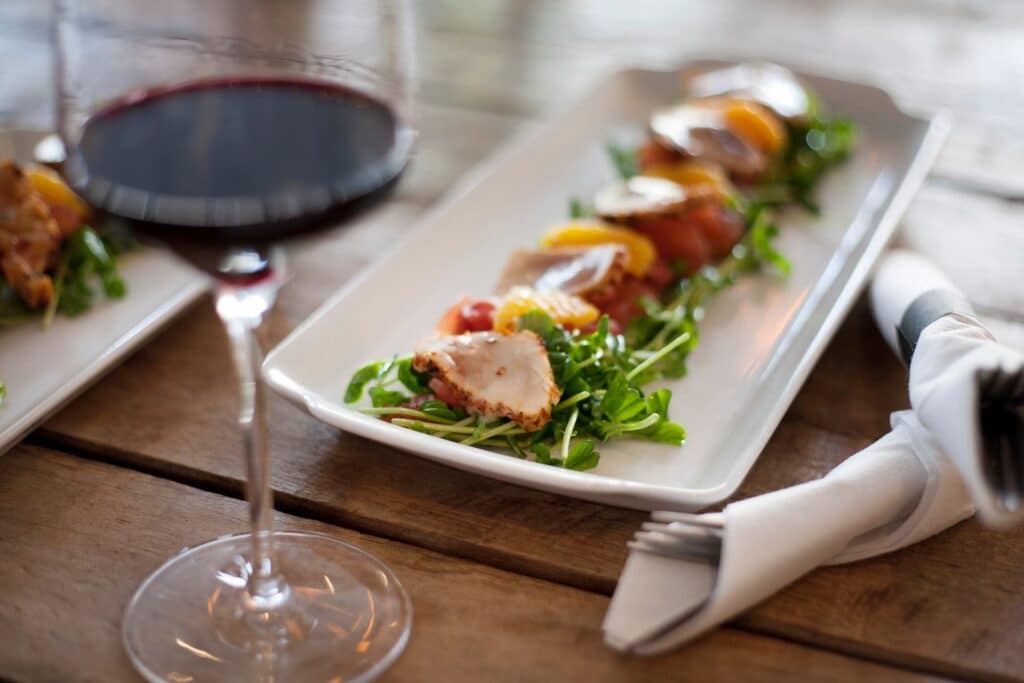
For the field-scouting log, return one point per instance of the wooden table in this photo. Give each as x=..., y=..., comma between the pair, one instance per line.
x=510, y=583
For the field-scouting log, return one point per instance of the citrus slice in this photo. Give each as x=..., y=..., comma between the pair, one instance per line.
x=592, y=233
x=565, y=309
x=690, y=173
x=755, y=124
x=53, y=190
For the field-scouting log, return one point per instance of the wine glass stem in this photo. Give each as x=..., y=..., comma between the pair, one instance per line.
x=265, y=585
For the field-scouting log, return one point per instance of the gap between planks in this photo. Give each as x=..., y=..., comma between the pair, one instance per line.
x=292, y=505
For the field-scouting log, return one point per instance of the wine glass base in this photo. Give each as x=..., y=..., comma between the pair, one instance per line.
x=343, y=617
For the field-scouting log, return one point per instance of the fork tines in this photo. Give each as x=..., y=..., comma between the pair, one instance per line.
x=681, y=535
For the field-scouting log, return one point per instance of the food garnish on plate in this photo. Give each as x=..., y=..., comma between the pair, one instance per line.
x=555, y=359
x=49, y=255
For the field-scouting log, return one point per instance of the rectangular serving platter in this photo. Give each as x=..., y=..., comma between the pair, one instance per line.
x=759, y=339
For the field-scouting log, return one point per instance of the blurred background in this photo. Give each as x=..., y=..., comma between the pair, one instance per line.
x=486, y=69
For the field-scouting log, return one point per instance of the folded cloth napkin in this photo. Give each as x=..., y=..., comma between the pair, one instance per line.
x=966, y=388
x=897, y=491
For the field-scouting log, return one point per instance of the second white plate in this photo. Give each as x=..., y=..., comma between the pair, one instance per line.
x=43, y=369
x=759, y=340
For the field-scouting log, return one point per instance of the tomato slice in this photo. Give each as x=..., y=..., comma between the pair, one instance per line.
x=624, y=304
x=720, y=227
x=661, y=275
x=478, y=315
x=652, y=154
x=467, y=315
x=678, y=240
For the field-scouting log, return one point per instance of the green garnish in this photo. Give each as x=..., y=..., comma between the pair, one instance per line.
x=623, y=159
x=578, y=210
x=664, y=323
x=87, y=257
x=601, y=399
x=601, y=375
x=815, y=146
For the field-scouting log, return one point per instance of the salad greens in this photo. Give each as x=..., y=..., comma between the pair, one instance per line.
x=623, y=160
x=600, y=374
x=815, y=146
x=87, y=258
x=682, y=307
x=599, y=377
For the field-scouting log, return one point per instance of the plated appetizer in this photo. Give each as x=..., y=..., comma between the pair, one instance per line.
x=554, y=360
x=49, y=255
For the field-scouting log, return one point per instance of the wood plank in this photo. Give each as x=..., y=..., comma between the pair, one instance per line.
x=169, y=409
x=69, y=570
x=977, y=241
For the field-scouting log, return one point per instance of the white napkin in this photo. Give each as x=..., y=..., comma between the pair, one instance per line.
x=899, y=490
x=958, y=370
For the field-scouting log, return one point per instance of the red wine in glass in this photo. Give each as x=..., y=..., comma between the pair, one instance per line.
x=221, y=170
x=240, y=161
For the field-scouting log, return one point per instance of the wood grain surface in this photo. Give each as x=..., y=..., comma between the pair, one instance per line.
x=68, y=571
x=950, y=606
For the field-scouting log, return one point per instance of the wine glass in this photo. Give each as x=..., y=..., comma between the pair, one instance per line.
x=222, y=129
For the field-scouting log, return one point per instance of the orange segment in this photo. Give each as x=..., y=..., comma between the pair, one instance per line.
x=565, y=309
x=755, y=124
x=51, y=187
x=690, y=173
x=592, y=233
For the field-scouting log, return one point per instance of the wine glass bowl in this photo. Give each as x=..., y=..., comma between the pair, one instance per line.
x=223, y=130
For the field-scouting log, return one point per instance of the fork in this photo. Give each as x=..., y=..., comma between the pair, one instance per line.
x=681, y=535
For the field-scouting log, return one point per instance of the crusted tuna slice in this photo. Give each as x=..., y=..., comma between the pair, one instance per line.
x=573, y=270
x=506, y=375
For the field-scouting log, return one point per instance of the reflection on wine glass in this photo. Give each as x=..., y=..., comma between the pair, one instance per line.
x=222, y=132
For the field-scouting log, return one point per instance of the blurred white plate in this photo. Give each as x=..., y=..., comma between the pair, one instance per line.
x=45, y=368
x=759, y=340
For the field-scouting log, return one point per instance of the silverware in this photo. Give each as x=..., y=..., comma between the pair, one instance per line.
x=681, y=535
x=693, y=543
x=680, y=538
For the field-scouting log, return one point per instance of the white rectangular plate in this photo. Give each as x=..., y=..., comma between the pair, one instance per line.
x=45, y=368
x=759, y=340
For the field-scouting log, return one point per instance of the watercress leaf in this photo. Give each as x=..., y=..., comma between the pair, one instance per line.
x=386, y=397
x=582, y=455
x=436, y=408
x=515, y=447
x=666, y=432
x=113, y=285
x=118, y=238
x=657, y=402
x=360, y=379
x=86, y=239
x=542, y=452
x=577, y=209
x=624, y=160
x=537, y=322
x=414, y=381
